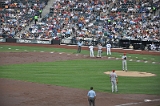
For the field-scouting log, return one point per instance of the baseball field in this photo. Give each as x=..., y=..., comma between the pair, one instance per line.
x=47, y=75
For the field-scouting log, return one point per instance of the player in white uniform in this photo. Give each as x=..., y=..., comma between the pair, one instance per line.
x=108, y=47
x=124, y=62
x=153, y=47
x=91, y=50
x=99, y=53
x=114, y=81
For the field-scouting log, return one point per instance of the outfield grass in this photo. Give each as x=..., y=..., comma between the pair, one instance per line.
x=82, y=73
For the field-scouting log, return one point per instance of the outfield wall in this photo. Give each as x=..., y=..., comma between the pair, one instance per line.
x=30, y=41
x=123, y=43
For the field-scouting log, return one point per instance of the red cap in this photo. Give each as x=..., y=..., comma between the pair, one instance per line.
x=113, y=70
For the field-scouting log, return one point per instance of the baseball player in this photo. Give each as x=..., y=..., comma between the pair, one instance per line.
x=99, y=53
x=108, y=46
x=153, y=47
x=114, y=81
x=91, y=96
x=80, y=43
x=91, y=50
x=124, y=62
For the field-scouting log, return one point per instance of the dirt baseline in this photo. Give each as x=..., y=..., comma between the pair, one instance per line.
x=131, y=73
x=21, y=93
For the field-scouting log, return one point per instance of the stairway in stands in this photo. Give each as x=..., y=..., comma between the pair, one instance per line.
x=44, y=13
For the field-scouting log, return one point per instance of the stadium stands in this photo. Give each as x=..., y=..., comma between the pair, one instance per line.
x=94, y=20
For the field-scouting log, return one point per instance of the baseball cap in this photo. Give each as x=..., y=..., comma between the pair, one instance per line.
x=113, y=70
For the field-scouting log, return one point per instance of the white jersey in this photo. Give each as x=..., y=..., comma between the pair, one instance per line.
x=153, y=47
x=108, y=45
x=91, y=47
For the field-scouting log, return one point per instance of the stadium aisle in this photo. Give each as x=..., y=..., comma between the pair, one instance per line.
x=44, y=12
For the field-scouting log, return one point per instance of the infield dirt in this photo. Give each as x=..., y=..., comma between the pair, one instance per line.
x=20, y=93
x=131, y=73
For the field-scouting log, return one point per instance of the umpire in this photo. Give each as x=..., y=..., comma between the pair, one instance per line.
x=91, y=97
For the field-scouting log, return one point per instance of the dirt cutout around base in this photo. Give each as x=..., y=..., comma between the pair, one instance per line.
x=131, y=73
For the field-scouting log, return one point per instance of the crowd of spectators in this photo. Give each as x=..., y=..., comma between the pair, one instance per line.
x=66, y=19
x=100, y=20
x=139, y=20
x=15, y=15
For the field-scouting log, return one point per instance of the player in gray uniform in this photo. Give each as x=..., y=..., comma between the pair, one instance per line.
x=99, y=53
x=114, y=81
x=124, y=62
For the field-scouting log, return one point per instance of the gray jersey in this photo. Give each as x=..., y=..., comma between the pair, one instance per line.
x=99, y=47
x=124, y=57
x=113, y=76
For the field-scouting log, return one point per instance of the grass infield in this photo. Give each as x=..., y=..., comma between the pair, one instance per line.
x=84, y=73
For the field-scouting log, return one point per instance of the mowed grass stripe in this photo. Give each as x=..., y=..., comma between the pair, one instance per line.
x=85, y=73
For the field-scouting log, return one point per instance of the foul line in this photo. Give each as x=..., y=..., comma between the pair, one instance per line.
x=145, y=101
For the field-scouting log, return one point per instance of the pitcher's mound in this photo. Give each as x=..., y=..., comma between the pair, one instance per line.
x=131, y=73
